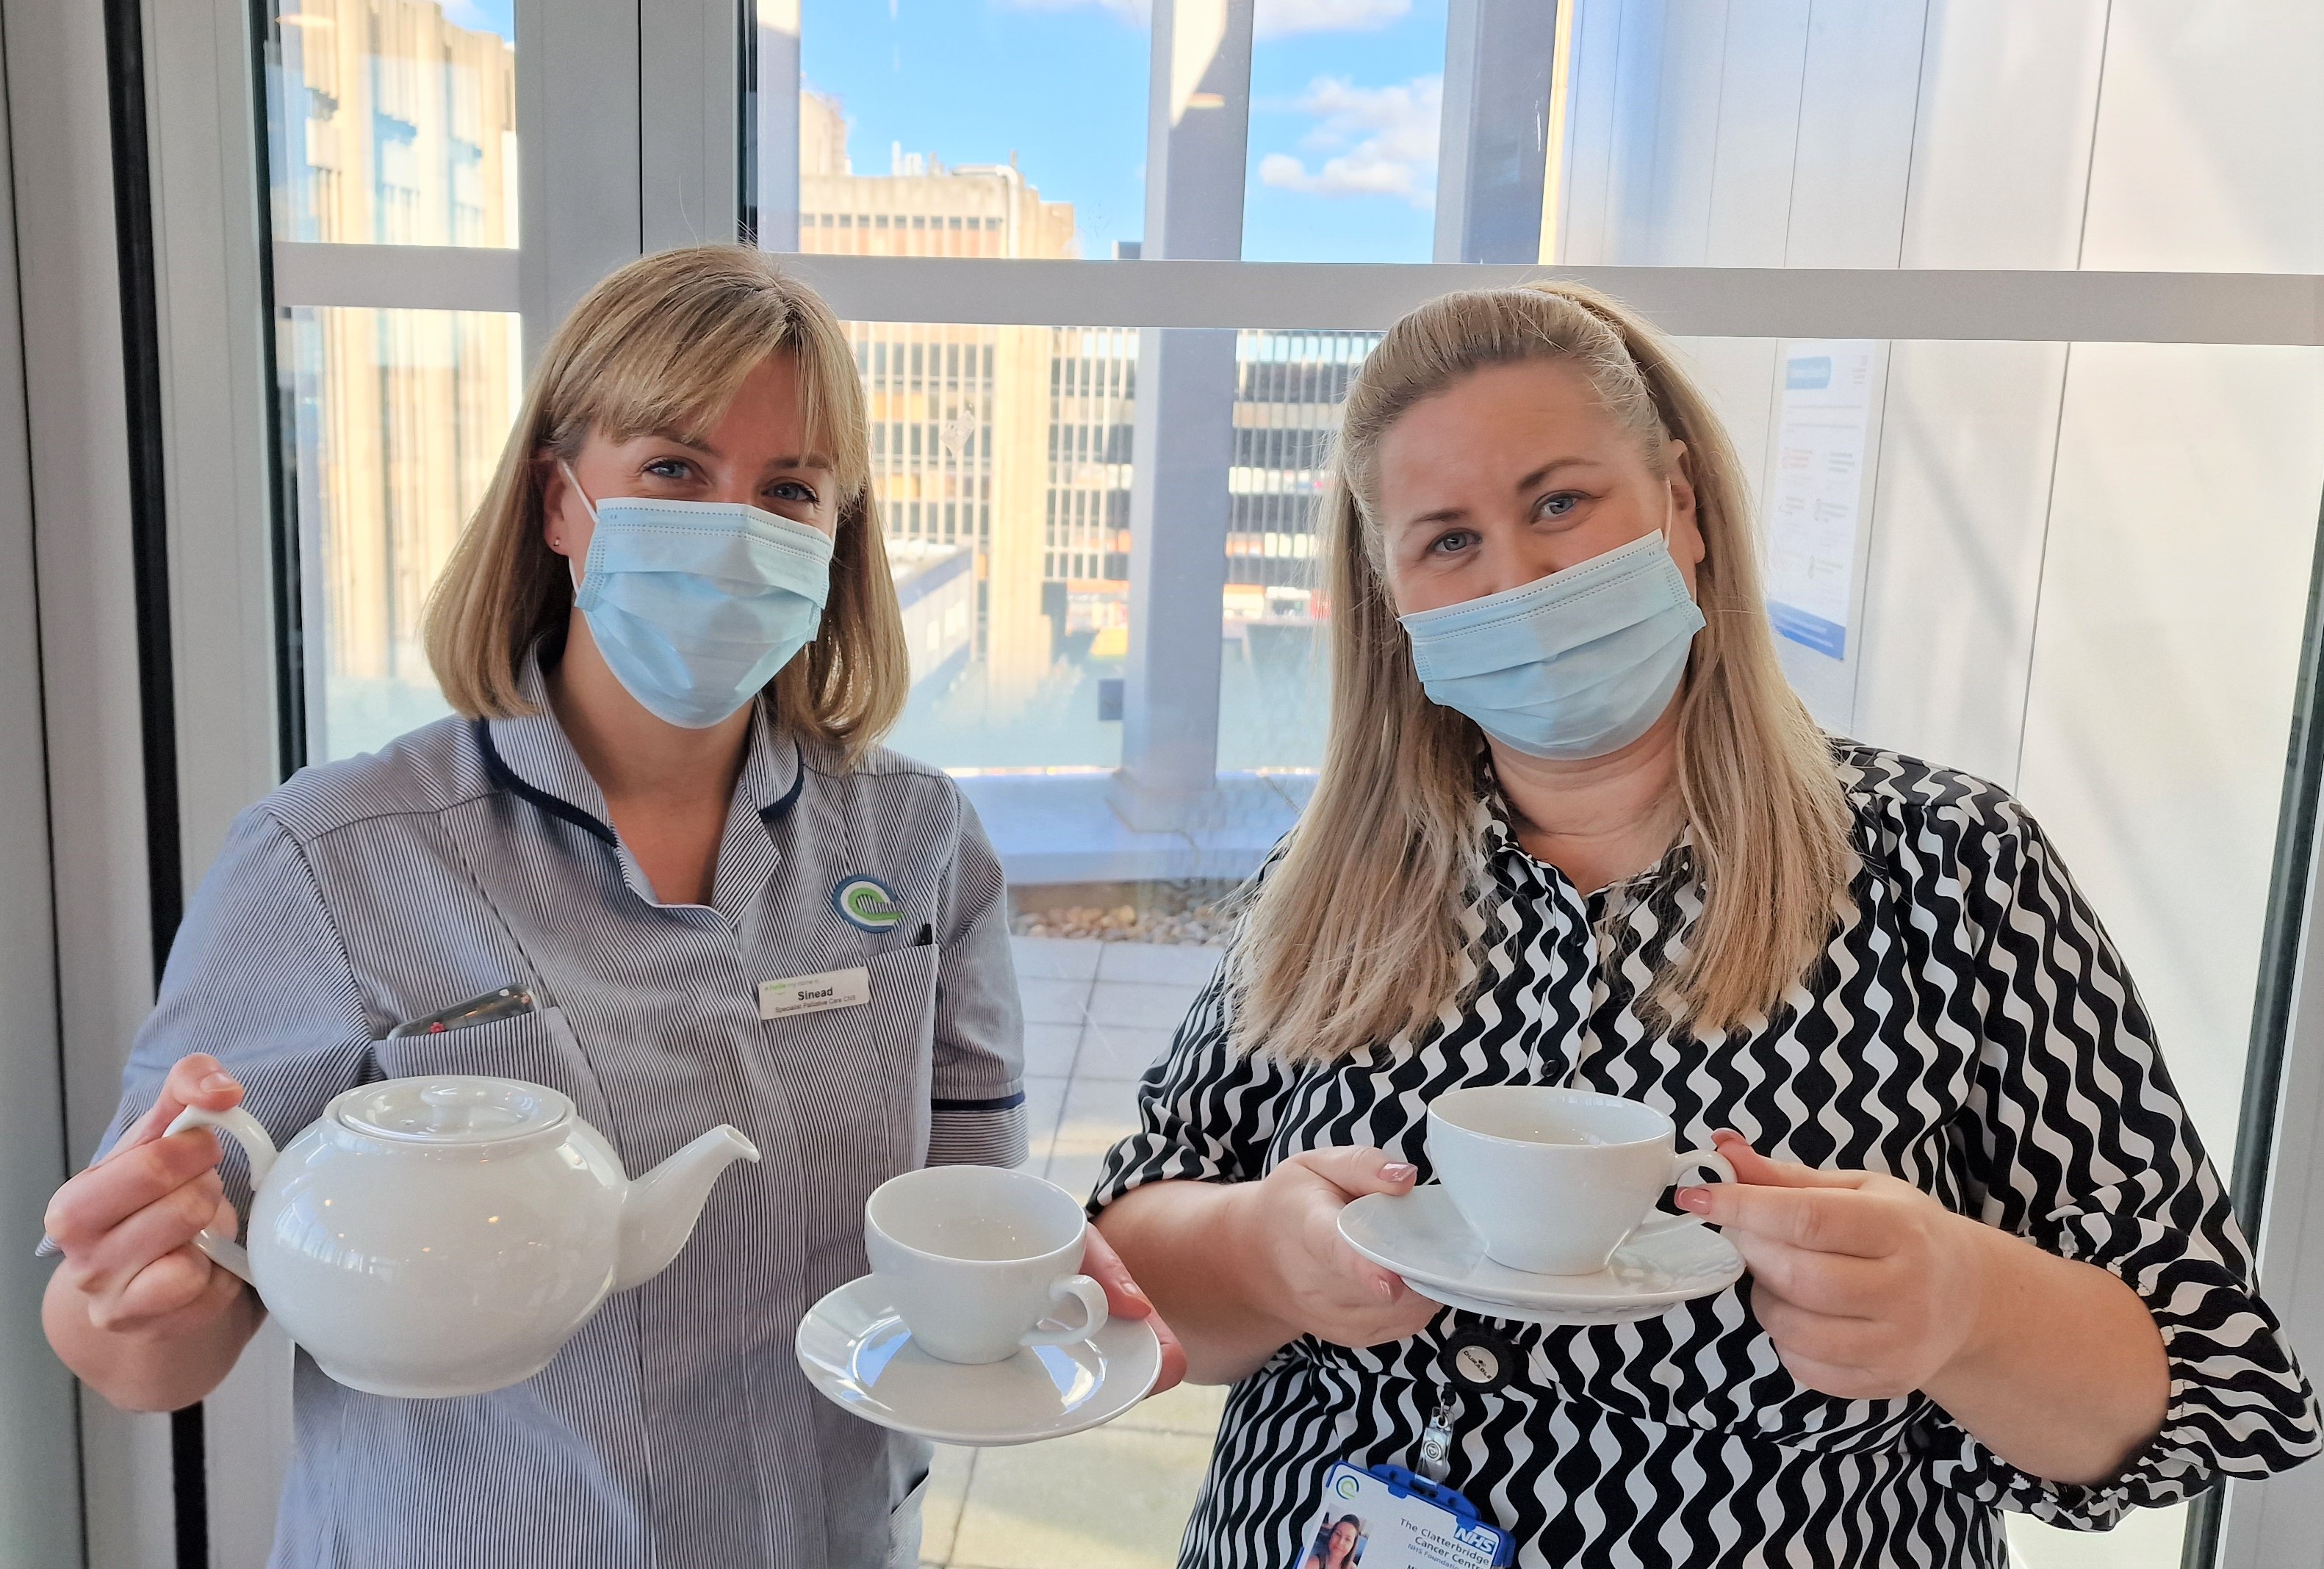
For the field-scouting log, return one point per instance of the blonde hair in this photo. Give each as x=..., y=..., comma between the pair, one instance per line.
x=1364, y=927
x=664, y=344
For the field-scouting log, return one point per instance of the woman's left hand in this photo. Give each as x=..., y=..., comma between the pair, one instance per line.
x=1869, y=1286
x=1123, y=1299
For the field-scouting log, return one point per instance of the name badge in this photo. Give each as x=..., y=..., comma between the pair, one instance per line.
x=812, y=994
x=1387, y=1517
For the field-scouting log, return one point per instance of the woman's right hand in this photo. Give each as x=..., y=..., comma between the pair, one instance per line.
x=1309, y=1277
x=127, y=1225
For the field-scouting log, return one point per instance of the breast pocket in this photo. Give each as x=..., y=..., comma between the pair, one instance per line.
x=536, y=1047
x=860, y=1075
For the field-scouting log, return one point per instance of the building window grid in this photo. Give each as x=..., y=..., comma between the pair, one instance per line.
x=1290, y=388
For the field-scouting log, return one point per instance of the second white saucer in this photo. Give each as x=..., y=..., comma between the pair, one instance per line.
x=858, y=1353
x=1420, y=1235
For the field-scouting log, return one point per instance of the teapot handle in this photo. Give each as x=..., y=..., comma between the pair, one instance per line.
x=246, y=1130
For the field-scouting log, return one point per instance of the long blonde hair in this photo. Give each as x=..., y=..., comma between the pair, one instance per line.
x=663, y=345
x=1364, y=928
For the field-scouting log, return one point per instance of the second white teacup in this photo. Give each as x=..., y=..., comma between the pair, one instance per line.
x=976, y=1257
x=1552, y=1180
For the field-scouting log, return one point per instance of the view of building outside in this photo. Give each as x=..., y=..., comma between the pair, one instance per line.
x=1010, y=449
x=388, y=126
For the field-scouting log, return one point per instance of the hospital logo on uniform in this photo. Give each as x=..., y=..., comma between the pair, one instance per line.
x=868, y=902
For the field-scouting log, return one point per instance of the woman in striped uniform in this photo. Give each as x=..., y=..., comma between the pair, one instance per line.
x=1573, y=827
x=673, y=640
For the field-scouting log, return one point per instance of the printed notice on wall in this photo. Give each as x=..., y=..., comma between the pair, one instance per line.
x=1818, y=493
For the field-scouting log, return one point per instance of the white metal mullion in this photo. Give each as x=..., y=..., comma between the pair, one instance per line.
x=1734, y=302
x=1500, y=62
x=1198, y=123
x=579, y=168
x=689, y=137
x=1719, y=302
x=398, y=277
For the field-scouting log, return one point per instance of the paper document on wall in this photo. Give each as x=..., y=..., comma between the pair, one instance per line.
x=1817, y=498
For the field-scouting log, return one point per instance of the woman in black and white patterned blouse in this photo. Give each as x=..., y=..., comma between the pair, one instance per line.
x=1574, y=827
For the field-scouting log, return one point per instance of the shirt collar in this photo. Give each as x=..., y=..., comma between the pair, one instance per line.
x=530, y=755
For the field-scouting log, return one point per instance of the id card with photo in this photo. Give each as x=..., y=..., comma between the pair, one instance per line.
x=1389, y=1519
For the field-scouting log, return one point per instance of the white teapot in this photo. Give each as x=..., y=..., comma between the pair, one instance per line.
x=448, y=1234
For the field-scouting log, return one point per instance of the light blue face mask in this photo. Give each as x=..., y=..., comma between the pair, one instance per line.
x=697, y=604
x=1577, y=665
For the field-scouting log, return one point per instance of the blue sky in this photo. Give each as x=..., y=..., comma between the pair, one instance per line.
x=1343, y=144
x=1343, y=125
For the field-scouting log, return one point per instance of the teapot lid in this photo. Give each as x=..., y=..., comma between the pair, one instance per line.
x=452, y=1109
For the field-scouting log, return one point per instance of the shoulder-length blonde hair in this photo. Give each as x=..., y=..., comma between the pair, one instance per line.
x=1363, y=929
x=663, y=345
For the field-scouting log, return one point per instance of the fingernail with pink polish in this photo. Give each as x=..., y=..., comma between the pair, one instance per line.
x=1694, y=1198
x=217, y=1082
x=1396, y=1172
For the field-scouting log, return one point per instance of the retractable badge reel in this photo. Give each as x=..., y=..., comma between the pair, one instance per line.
x=1388, y=1518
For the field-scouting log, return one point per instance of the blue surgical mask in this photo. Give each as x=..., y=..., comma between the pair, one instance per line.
x=697, y=604
x=1577, y=665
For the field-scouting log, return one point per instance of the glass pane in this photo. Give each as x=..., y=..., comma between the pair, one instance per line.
x=1345, y=101
x=393, y=122
x=1274, y=687
x=1001, y=457
x=396, y=421
x=1040, y=108
x=2009, y=136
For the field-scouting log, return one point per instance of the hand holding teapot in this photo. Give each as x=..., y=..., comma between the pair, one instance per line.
x=431, y=1236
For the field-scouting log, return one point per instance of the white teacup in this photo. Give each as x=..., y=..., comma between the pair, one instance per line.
x=1553, y=1179
x=976, y=1257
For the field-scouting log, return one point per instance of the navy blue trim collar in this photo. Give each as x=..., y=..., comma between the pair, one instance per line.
x=774, y=811
x=507, y=778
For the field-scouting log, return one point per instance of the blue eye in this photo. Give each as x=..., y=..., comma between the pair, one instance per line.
x=667, y=468
x=793, y=491
x=1559, y=505
x=1450, y=542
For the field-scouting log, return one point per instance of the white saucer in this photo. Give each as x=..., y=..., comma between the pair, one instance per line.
x=1553, y=1317
x=1670, y=1259
x=857, y=1352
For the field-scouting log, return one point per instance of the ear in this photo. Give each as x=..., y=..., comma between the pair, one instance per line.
x=1686, y=543
x=549, y=475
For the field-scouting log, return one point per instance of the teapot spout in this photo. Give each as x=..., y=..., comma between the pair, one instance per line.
x=658, y=1212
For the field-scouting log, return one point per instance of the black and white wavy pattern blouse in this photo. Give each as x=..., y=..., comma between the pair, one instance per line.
x=1971, y=1031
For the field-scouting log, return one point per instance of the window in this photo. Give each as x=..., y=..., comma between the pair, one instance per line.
x=391, y=122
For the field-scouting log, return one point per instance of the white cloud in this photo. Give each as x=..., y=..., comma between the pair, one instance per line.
x=1278, y=18
x=1271, y=19
x=1371, y=141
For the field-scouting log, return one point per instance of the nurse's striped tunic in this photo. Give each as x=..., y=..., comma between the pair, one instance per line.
x=675, y=1431
x=1969, y=1030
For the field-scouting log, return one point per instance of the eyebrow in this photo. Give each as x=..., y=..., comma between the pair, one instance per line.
x=809, y=460
x=1450, y=514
